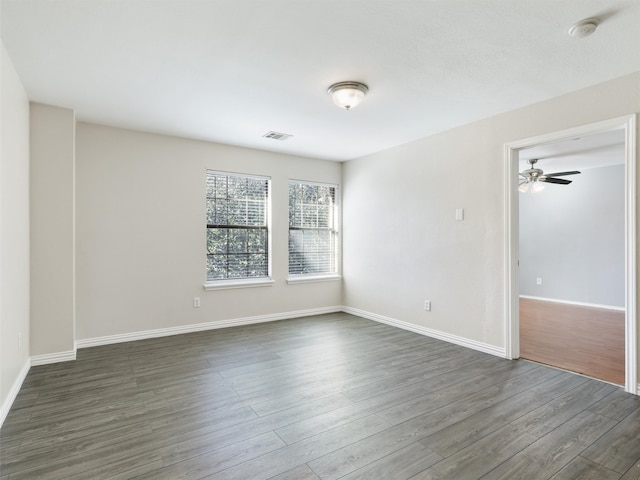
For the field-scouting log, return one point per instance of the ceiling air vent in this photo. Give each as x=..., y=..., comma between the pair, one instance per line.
x=277, y=136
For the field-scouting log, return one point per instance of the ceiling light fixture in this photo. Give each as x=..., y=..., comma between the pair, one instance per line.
x=347, y=94
x=584, y=28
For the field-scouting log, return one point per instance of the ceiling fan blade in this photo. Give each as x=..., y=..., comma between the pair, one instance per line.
x=560, y=181
x=560, y=174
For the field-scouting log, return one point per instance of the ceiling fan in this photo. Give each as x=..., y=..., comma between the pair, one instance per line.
x=533, y=179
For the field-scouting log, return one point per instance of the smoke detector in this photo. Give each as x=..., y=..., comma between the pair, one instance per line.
x=584, y=28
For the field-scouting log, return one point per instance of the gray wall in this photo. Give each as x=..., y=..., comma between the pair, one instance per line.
x=52, y=190
x=402, y=244
x=573, y=238
x=14, y=232
x=140, y=213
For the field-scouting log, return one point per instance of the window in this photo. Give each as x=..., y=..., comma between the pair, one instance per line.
x=313, y=233
x=237, y=226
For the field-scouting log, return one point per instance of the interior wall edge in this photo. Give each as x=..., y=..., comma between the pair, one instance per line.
x=199, y=327
x=13, y=392
x=14, y=232
x=446, y=337
x=237, y=322
x=57, y=357
x=570, y=302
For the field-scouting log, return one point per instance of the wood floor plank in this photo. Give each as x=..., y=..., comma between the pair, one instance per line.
x=242, y=431
x=548, y=455
x=55, y=449
x=617, y=405
x=461, y=434
x=583, y=469
x=633, y=473
x=582, y=339
x=400, y=465
x=304, y=451
x=564, y=381
x=203, y=459
x=124, y=469
x=619, y=449
x=483, y=389
x=561, y=409
x=480, y=457
x=309, y=427
x=327, y=396
x=450, y=409
x=302, y=472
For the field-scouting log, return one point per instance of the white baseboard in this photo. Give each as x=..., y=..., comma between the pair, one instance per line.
x=53, y=358
x=13, y=392
x=199, y=327
x=447, y=337
x=569, y=302
x=162, y=332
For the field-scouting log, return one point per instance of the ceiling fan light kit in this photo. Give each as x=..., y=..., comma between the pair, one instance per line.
x=533, y=187
x=347, y=94
x=533, y=179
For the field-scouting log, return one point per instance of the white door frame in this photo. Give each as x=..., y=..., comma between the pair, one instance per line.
x=512, y=320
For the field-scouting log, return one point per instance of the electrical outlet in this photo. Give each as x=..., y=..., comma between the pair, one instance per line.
x=538, y=281
x=196, y=302
x=427, y=305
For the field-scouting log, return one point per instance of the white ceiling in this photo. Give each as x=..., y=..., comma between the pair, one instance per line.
x=229, y=71
x=590, y=151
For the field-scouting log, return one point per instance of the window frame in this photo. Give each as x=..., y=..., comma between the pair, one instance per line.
x=242, y=282
x=335, y=229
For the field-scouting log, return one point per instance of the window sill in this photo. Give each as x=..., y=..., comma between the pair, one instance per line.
x=243, y=283
x=313, y=278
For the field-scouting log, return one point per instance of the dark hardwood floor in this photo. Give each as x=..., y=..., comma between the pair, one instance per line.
x=327, y=397
x=582, y=339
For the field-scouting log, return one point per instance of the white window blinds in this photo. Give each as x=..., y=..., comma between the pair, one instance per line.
x=237, y=226
x=313, y=234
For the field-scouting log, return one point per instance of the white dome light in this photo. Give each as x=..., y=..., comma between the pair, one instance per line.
x=347, y=94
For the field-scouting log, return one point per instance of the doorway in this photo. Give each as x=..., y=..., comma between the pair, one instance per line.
x=625, y=127
x=571, y=255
